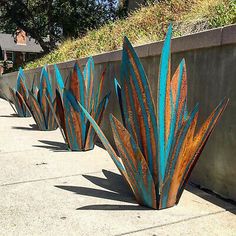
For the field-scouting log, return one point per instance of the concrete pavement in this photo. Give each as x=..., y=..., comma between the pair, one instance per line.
x=45, y=190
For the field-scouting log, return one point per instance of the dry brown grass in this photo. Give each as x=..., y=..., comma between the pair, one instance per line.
x=147, y=24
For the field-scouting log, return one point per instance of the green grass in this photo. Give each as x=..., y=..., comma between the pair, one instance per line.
x=146, y=25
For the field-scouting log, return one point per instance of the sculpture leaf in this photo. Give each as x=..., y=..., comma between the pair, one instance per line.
x=77, y=129
x=21, y=92
x=159, y=146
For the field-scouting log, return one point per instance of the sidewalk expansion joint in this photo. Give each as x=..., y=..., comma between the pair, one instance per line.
x=16, y=151
x=172, y=223
x=51, y=178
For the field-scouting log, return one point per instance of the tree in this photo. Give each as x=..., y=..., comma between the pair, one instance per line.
x=123, y=8
x=80, y=16
x=52, y=20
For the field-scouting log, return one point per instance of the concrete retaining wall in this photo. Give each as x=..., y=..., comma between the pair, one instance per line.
x=211, y=69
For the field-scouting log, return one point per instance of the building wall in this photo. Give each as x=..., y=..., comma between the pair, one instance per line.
x=18, y=58
x=210, y=58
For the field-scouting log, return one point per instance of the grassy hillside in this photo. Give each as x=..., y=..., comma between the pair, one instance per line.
x=148, y=24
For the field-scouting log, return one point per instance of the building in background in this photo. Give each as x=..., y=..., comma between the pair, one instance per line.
x=134, y=4
x=18, y=49
x=131, y=5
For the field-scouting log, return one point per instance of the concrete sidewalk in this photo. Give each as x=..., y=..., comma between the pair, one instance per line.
x=45, y=190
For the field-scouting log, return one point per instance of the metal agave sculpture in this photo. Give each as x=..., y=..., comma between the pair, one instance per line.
x=158, y=145
x=38, y=103
x=76, y=129
x=20, y=95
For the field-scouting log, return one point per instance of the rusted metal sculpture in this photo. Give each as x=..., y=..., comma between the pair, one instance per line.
x=76, y=129
x=37, y=103
x=158, y=144
x=20, y=95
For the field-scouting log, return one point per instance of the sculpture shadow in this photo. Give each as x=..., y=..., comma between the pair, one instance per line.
x=11, y=116
x=52, y=145
x=99, y=144
x=33, y=127
x=209, y=196
x=115, y=189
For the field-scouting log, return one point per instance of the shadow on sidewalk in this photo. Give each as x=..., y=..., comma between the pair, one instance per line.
x=211, y=197
x=11, y=116
x=53, y=145
x=32, y=127
x=115, y=189
x=108, y=207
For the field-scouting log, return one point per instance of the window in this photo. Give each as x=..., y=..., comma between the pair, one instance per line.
x=10, y=56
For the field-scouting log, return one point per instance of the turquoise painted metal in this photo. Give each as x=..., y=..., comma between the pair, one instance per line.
x=19, y=95
x=158, y=142
x=38, y=103
x=76, y=129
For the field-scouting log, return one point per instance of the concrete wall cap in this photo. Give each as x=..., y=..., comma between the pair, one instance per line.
x=205, y=39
